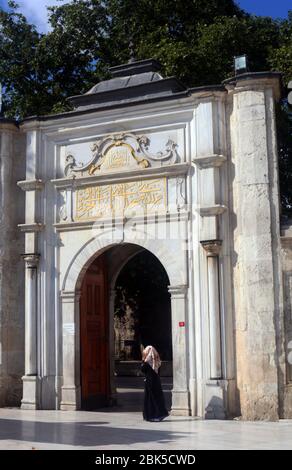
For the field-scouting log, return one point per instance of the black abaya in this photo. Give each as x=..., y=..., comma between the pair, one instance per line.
x=154, y=405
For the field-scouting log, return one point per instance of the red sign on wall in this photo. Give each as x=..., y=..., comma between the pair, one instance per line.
x=181, y=323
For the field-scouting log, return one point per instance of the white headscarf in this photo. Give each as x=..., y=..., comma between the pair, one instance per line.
x=151, y=356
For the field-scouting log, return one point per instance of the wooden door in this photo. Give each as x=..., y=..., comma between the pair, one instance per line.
x=94, y=337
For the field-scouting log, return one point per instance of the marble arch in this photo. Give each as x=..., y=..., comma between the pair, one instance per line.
x=166, y=251
x=71, y=389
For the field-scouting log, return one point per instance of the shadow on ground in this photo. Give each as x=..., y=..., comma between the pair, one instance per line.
x=85, y=434
x=97, y=433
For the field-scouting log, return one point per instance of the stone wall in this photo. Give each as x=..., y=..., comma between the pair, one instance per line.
x=12, y=161
x=286, y=242
x=257, y=283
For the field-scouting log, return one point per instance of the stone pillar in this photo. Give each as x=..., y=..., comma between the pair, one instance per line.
x=11, y=265
x=215, y=401
x=255, y=230
x=212, y=248
x=180, y=392
x=30, y=380
x=71, y=390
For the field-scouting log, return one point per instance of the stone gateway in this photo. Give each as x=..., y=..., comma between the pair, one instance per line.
x=148, y=213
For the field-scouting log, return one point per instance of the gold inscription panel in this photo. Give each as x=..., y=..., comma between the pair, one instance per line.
x=138, y=197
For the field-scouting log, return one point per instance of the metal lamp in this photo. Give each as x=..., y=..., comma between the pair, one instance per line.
x=240, y=64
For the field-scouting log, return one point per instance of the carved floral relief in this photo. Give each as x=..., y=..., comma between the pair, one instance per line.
x=120, y=152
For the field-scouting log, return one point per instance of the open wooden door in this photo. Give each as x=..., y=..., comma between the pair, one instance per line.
x=94, y=337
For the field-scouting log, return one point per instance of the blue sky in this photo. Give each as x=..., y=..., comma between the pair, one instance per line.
x=35, y=10
x=276, y=9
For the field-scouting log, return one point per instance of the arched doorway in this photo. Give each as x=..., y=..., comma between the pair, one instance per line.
x=142, y=316
x=113, y=333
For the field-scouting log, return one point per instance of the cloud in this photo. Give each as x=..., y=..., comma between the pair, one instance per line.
x=35, y=11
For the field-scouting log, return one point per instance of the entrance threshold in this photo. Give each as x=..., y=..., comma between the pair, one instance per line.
x=130, y=393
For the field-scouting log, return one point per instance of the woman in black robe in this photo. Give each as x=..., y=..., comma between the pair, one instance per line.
x=154, y=405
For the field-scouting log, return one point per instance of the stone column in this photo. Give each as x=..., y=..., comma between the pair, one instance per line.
x=255, y=232
x=11, y=270
x=30, y=379
x=71, y=390
x=180, y=392
x=215, y=393
x=212, y=248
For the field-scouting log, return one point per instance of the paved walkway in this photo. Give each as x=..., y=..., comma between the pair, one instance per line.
x=107, y=430
x=122, y=427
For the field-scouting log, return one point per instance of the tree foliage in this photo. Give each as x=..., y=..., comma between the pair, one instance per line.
x=18, y=62
x=195, y=40
x=284, y=128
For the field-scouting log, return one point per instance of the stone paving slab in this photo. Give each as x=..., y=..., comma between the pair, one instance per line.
x=111, y=430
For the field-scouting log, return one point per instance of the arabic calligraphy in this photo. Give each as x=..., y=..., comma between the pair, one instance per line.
x=121, y=199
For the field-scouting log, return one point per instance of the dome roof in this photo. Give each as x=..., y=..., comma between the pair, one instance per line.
x=133, y=82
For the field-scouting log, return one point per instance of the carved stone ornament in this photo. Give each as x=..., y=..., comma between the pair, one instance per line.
x=180, y=191
x=63, y=213
x=118, y=152
x=212, y=247
x=31, y=260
